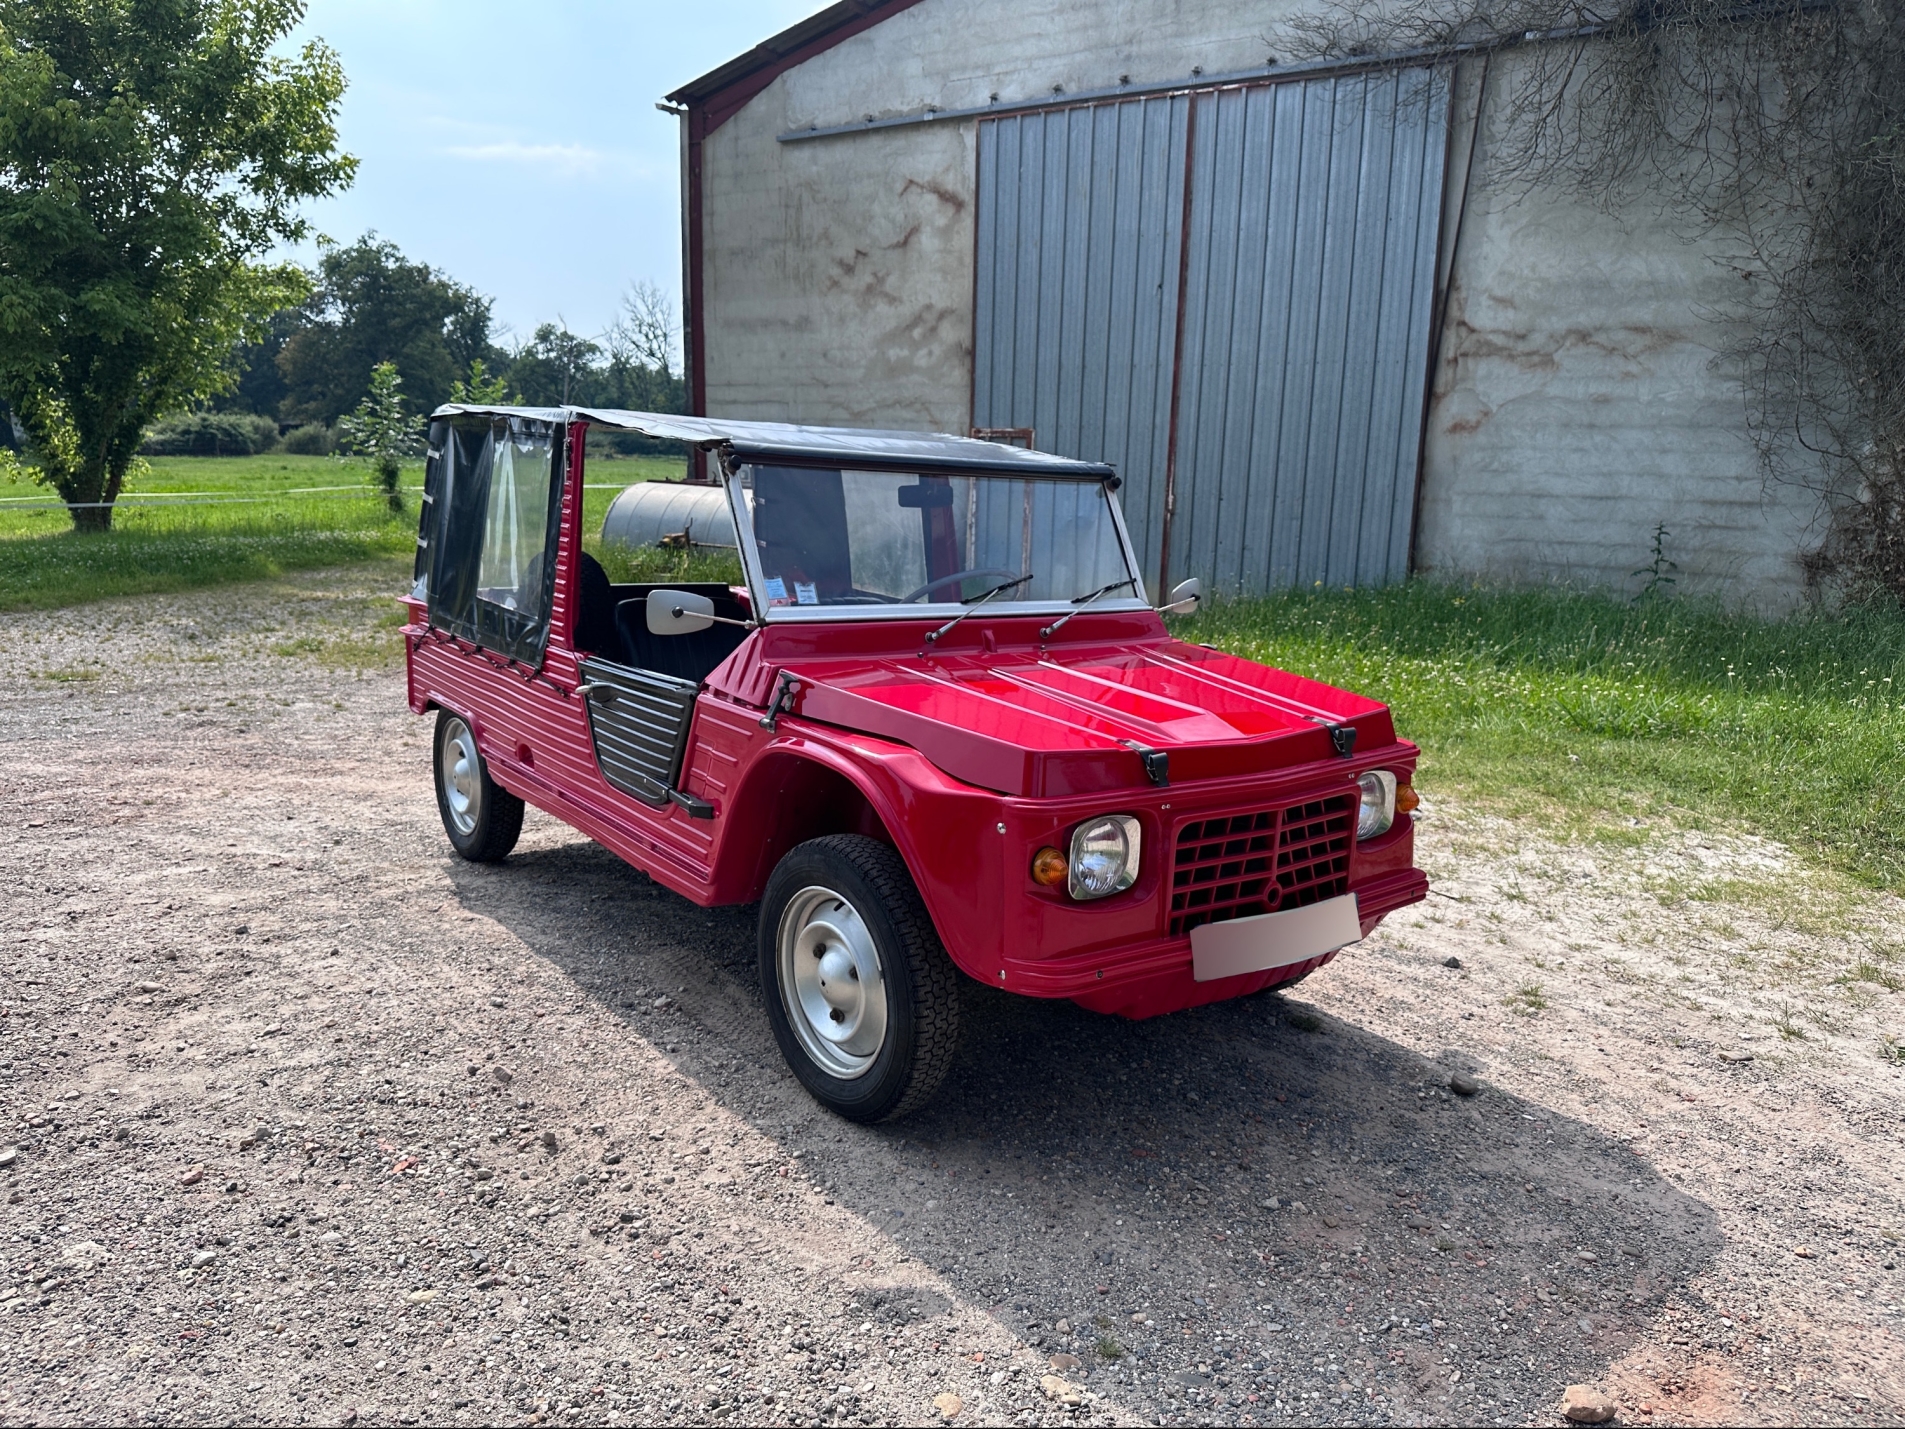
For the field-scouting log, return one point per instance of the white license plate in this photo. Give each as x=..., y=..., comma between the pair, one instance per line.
x=1274, y=940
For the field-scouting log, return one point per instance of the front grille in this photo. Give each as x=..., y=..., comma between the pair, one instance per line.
x=1240, y=865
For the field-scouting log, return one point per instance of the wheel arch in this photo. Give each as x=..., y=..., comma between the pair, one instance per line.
x=800, y=795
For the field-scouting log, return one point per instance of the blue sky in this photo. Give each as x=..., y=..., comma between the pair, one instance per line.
x=518, y=147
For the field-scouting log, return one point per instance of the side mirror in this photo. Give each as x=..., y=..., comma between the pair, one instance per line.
x=678, y=612
x=1190, y=592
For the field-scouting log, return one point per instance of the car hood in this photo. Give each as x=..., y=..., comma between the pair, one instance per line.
x=1081, y=717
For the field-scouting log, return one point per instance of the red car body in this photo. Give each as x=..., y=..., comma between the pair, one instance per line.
x=968, y=759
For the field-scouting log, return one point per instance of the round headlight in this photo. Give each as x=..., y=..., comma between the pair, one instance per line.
x=1379, y=804
x=1104, y=857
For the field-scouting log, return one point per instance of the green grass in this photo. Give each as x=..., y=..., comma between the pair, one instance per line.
x=280, y=525
x=1609, y=718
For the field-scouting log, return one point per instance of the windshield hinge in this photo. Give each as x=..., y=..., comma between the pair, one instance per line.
x=783, y=701
x=1156, y=762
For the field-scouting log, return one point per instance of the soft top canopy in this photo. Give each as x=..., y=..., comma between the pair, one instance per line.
x=782, y=441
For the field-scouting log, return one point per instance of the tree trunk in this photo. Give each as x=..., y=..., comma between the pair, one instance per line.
x=91, y=519
x=98, y=487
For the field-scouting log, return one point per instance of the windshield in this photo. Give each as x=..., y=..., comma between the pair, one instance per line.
x=825, y=537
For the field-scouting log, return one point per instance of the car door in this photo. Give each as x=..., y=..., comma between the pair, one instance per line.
x=641, y=695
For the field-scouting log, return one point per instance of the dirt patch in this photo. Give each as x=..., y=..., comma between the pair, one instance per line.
x=315, y=1123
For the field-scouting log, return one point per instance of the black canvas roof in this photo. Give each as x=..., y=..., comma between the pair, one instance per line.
x=783, y=441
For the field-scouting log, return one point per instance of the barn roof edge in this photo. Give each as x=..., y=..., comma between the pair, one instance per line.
x=754, y=69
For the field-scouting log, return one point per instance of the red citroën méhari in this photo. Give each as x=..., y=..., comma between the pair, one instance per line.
x=932, y=724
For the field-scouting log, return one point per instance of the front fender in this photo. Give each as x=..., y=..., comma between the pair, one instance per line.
x=813, y=780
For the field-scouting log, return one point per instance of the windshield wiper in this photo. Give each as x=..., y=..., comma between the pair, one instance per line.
x=1079, y=602
x=976, y=602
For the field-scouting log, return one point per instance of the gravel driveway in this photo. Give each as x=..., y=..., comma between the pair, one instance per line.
x=315, y=1124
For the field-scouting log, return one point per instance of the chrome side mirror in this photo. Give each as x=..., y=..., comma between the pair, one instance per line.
x=678, y=612
x=1185, y=593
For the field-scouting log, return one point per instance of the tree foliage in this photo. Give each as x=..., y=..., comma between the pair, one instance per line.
x=152, y=154
x=382, y=431
x=482, y=389
x=372, y=305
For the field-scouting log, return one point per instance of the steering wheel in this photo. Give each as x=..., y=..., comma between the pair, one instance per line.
x=951, y=579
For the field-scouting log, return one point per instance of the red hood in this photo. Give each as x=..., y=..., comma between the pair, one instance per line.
x=1073, y=719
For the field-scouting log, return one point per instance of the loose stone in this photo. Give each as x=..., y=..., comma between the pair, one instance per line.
x=1583, y=1404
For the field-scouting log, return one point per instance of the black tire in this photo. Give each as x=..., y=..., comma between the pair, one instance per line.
x=826, y=884
x=482, y=818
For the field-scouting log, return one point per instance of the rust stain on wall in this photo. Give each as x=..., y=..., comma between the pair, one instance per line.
x=938, y=190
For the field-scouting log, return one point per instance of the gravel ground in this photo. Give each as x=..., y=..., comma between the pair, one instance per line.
x=315, y=1124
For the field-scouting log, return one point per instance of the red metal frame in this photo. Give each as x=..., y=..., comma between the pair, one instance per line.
x=967, y=762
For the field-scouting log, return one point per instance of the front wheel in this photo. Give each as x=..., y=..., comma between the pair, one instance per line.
x=482, y=818
x=863, y=999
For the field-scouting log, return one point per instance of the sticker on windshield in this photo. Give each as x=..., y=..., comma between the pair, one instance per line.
x=805, y=593
x=777, y=591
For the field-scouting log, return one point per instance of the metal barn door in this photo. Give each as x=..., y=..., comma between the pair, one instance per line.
x=1278, y=320
x=1077, y=278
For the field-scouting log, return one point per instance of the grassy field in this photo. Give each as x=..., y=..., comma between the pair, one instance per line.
x=229, y=519
x=1611, y=718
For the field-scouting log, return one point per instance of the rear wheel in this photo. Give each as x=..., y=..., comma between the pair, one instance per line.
x=863, y=999
x=482, y=818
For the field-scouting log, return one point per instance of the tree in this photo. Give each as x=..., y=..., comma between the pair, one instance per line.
x=152, y=154
x=555, y=367
x=645, y=333
x=482, y=390
x=381, y=430
x=641, y=345
x=260, y=387
x=373, y=305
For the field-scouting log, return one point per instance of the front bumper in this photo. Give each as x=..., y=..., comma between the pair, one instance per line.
x=1155, y=978
x=1213, y=851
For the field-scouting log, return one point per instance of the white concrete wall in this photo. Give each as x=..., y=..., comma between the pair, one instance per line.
x=1584, y=398
x=1579, y=403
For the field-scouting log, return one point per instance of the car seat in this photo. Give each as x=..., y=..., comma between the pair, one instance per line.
x=595, y=629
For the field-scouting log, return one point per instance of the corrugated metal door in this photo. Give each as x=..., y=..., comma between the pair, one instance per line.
x=1077, y=277
x=1301, y=347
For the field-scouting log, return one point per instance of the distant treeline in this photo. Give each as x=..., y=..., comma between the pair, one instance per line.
x=370, y=304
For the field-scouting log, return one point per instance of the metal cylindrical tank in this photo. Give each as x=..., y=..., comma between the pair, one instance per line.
x=655, y=513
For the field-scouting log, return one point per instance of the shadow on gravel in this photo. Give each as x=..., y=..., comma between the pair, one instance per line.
x=1310, y=1222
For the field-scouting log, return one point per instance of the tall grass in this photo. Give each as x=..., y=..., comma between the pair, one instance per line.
x=1590, y=709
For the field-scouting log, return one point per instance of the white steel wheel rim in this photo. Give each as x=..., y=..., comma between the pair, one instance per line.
x=462, y=775
x=831, y=982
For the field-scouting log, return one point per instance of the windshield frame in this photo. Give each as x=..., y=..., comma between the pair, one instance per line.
x=934, y=610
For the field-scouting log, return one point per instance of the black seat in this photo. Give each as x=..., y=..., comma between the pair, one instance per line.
x=595, y=609
x=686, y=657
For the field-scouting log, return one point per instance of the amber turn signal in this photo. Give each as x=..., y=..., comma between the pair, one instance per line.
x=1049, y=868
x=1407, y=799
